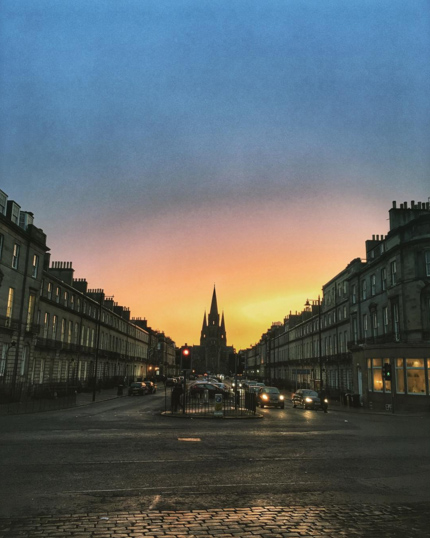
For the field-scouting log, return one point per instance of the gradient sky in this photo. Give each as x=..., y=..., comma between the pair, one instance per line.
x=167, y=146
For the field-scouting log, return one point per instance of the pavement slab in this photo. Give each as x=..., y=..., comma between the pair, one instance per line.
x=364, y=521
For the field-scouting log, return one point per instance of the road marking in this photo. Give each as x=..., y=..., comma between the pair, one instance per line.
x=209, y=486
x=154, y=502
x=192, y=439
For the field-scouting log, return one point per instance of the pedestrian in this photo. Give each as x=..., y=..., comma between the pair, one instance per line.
x=176, y=397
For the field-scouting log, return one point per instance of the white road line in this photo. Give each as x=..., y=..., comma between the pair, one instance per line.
x=212, y=486
x=154, y=502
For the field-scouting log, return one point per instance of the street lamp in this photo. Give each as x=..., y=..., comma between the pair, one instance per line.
x=308, y=304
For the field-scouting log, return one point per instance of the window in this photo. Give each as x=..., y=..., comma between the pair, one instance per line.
x=57, y=294
x=76, y=334
x=385, y=319
x=364, y=290
x=35, y=266
x=375, y=323
x=30, y=310
x=63, y=330
x=1, y=244
x=415, y=378
x=15, y=256
x=3, y=359
x=66, y=299
x=373, y=285
x=426, y=257
x=354, y=294
x=377, y=375
x=365, y=327
x=54, y=327
x=49, y=290
x=72, y=302
x=400, y=376
x=396, y=323
x=355, y=329
x=46, y=325
x=9, y=307
x=393, y=273
x=384, y=279
x=69, y=332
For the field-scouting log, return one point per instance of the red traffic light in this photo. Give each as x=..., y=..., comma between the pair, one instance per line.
x=185, y=351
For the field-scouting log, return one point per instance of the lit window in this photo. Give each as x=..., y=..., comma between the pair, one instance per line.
x=57, y=294
x=49, y=290
x=15, y=256
x=35, y=266
x=377, y=375
x=30, y=310
x=9, y=308
x=415, y=378
x=400, y=376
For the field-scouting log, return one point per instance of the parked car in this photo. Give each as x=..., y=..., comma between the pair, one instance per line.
x=270, y=396
x=137, y=388
x=198, y=389
x=171, y=381
x=309, y=399
x=151, y=387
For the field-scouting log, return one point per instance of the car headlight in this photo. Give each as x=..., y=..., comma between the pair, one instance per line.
x=265, y=397
x=325, y=400
x=309, y=400
x=281, y=397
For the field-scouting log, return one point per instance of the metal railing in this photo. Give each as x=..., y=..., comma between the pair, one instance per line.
x=241, y=403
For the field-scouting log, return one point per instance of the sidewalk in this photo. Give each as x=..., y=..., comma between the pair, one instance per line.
x=86, y=398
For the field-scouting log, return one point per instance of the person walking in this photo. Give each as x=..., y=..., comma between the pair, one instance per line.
x=176, y=397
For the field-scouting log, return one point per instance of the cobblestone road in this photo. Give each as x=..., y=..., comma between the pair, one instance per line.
x=269, y=522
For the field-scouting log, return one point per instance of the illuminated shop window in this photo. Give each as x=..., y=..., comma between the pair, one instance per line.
x=400, y=376
x=415, y=376
x=377, y=375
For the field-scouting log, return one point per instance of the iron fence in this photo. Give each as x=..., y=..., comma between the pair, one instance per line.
x=20, y=398
x=241, y=403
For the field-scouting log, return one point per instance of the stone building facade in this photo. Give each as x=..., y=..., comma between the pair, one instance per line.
x=55, y=332
x=375, y=311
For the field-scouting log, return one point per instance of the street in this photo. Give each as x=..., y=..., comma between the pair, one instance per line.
x=368, y=473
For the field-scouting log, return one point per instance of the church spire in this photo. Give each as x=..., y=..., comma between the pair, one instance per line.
x=204, y=322
x=214, y=306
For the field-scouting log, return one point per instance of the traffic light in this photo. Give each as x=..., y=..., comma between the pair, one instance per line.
x=387, y=371
x=186, y=358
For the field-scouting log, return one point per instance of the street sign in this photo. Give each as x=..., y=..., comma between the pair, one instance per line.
x=218, y=405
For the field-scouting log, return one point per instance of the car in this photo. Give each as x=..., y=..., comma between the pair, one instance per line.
x=171, y=381
x=309, y=399
x=137, y=388
x=270, y=396
x=151, y=386
x=198, y=389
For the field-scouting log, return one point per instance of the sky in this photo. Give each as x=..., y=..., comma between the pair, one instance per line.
x=165, y=147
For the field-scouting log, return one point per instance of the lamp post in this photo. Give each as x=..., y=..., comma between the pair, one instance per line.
x=308, y=304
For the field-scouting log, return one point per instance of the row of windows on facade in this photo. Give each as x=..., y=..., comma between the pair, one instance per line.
x=30, y=313
x=15, y=261
x=411, y=376
x=68, y=300
x=65, y=370
x=332, y=344
x=68, y=332
x=343, y=286
x=373, y=288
